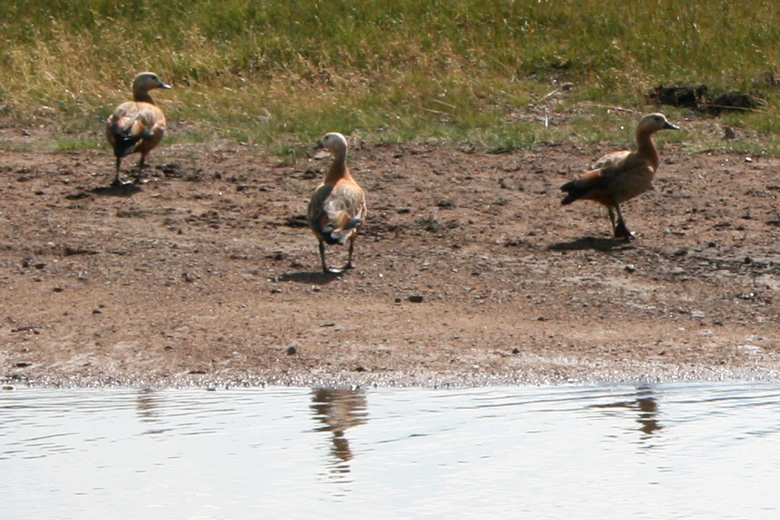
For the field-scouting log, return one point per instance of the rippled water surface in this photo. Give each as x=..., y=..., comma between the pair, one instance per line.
x=574, y=452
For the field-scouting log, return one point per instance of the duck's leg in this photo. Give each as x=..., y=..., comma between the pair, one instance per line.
x=117, y=179
x=322, y=258
x=351, y=249
x=611, y=217
x=140, y=167
x=621, y=231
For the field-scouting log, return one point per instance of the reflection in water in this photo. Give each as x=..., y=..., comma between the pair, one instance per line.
x=646, y=405
x=614, y=451
x=148, y=405
x=339, y=409
x=648, y=412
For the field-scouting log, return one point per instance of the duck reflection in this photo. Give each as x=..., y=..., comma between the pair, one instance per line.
x=646, y=406
x=148, y=404
x=339, y=409
x=648, y=412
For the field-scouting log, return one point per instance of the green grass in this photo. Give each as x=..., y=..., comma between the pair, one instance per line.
x=67, y=144
x=281, y=73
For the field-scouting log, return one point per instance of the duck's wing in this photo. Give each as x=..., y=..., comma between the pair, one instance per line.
x=152, y=124
x=119, y=129
x=612, y=160
x=336, y=211
x=133, y=124
x=619, y=176
x=315, y=211
x=592, y=185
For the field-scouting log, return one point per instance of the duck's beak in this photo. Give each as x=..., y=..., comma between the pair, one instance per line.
x=164, y=85
x=670, y=126
x=319, y=146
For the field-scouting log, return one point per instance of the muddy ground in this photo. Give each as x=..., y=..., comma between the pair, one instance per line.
x=468, y=270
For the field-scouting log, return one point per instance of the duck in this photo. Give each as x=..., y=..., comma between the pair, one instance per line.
x=337, y=208
x=137, y=125
x=621, y=176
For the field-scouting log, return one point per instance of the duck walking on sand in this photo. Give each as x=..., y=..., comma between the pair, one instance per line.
x=338, y=205
x=137, y=125
x=621, y=176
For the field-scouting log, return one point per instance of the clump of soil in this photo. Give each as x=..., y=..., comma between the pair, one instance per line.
x=698, y=97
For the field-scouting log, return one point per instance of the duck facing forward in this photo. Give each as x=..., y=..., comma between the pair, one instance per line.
x=137, y=125
x=621, y=176
x=338, y=206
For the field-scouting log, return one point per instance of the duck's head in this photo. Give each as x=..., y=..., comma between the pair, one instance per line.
x=147, y=81
x=334, y=142
x=653, y=123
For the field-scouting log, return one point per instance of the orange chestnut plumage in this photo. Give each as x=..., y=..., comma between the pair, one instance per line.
x=338, y=206
x=138, y=125
x=621, y=176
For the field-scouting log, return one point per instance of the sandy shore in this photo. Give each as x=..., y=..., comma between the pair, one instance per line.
x=469, y=272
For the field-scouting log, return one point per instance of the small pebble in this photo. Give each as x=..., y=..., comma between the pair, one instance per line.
x=292, y=351
x=416, y=298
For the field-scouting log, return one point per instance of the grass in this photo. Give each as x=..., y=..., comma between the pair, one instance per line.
x=69, y=144
x=280, y=74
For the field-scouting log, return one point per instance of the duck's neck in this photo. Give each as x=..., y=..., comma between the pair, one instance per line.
x=646, y=148
x=338, y=169
x=142, y=96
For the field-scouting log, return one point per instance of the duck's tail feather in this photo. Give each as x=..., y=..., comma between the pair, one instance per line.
x=584, y=186
x=341, y=235
x=124, y=145
x=573, y=192
x=127, y=133
x=340, y=227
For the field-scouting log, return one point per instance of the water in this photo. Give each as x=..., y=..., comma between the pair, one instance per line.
x=709, y=451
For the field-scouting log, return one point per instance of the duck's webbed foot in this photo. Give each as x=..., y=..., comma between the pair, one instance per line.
x=622, y=232
x=119, y=183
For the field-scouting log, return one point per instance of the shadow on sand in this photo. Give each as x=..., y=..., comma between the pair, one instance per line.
x=594, y=243
x=309, y=277
x=117, y=190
